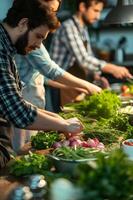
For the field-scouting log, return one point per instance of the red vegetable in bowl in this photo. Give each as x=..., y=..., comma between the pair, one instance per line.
x=128, y=143
x=100, y=146
x=57, y=145
x=65, y=143
x=91, y=143
x=96, y=141
x=73, y=138
x=76, y=143
x=85, y=144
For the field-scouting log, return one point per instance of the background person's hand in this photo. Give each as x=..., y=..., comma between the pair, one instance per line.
x=117, y=71
x=101, y=81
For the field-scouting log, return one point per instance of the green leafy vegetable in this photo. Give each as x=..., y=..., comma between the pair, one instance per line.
x=29, y=164
x=108, y=131
x=107, y=178
x=103, y=105
x=44, y=140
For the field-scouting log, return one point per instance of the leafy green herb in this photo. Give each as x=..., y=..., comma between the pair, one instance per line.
x=107, y=178
x=119, y=122
x=103, y=105
x=44, y=140
x=29, y=164
x=108, y=131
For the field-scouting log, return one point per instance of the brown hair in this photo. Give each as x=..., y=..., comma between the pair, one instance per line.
x=37, y=12
x=88, y=3
x=60, y=1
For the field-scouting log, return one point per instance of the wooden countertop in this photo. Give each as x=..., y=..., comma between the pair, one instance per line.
x=7, y=185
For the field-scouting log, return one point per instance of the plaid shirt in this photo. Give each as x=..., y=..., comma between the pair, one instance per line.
x=12, y=106
x=68, y=46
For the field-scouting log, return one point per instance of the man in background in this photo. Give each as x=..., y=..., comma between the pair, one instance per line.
x=71, y=48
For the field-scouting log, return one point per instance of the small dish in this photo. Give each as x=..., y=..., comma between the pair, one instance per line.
x=127, y=146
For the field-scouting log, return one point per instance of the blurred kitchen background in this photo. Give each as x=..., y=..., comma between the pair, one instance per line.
x=113, y=43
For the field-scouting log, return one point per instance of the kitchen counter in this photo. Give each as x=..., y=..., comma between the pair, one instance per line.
x=7, y=185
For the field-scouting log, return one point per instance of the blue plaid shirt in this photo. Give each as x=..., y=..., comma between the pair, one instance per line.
x=35, y=63
x=68, y=46
x=12, y=106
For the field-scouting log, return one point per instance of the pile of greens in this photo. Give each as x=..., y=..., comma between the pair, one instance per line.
x=108, y=131
x=75, y=153
x=44, y=140
x=106, y=136
x=107, y=178
x=111, y=130
x=103, y=105
x=29, y=164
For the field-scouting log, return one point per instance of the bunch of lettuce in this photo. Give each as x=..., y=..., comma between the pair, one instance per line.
x=103, y=105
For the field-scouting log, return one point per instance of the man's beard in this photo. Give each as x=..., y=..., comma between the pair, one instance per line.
x=85, y=20
x=22, y=43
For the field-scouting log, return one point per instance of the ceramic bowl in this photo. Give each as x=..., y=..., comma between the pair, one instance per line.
x=128, y=149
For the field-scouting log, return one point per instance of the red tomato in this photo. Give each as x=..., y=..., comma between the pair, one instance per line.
x=129, y=143
x=125, y=88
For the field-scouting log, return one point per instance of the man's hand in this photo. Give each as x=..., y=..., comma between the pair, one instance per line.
x=101, y=81
x=74, y=126
x=92, y=89
x=117, y=71
x=81, y=90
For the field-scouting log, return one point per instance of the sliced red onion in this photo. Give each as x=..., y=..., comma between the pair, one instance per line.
x=100, y=146
x=85, y=144
x=65, y=143
x=57, y=145
x=96, y=141
x=73, y=138
x=75, y=143
x=91, y=143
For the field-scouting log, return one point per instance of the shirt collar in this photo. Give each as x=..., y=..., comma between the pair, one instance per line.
x=78, y=23
x=7, y=41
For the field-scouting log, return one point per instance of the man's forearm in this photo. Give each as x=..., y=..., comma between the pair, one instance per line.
x=47, y=122
x=56, y=84
x=71, y=81
x=51, y=114
x=75, y=82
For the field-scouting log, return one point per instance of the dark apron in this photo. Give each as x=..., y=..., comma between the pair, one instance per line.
x=56, y=98
x=69, y=95
x=5, y=142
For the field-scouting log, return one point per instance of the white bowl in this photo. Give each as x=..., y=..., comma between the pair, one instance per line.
x=127, y=148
